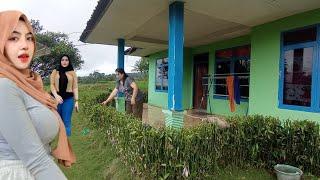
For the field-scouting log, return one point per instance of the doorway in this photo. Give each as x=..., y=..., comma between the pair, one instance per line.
x=200, y=88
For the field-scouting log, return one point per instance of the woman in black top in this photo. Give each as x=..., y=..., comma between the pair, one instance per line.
x=64, y=87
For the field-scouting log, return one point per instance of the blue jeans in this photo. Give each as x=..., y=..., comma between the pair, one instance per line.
x=65, y=110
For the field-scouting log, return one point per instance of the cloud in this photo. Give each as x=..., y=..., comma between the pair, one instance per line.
x=104, y=60
x=70, y=17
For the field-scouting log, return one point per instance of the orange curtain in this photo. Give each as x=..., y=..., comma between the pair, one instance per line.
x=230, y=87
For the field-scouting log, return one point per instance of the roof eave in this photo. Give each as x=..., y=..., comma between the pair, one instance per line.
x=96, y=16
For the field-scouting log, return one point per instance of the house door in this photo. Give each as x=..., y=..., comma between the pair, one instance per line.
x=199, y=88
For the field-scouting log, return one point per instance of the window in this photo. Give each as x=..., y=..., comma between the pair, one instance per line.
x=298, y=70
x=162, y=74
x=232, y=62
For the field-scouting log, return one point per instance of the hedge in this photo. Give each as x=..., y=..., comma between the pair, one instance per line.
x=250, y=141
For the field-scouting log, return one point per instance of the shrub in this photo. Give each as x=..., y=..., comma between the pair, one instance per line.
x=254, y=141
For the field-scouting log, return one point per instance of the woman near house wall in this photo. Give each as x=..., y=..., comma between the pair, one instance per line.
x=127, y=86
x=64, y=87
x=29, y=120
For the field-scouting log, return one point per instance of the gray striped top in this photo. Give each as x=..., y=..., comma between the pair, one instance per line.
x=26, y=129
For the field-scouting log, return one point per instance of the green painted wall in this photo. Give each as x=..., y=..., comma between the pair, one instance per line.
x=160, y=99
x=156, y=98
x=265, y=55
x=188, y=79
x=220, y=106
x=264, y=70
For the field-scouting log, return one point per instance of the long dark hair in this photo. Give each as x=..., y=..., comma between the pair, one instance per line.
x=121, y=71
x=65, y=69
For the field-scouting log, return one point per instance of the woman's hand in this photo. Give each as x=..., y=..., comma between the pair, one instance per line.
x=76, y=106
x=104, y=102
x=59, y=99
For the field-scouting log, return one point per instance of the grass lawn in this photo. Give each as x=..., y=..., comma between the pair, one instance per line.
x=95, y=160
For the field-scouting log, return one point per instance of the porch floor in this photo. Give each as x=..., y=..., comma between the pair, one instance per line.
x=154, y=116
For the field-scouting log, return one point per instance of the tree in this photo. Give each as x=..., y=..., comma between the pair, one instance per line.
x=37, y=28
x=59, y=44
x=97, y=75
x=142, y=66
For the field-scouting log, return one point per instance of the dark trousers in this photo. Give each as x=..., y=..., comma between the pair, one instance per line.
x=136, y=109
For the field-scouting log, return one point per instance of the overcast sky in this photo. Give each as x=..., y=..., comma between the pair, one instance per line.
x=70, y=17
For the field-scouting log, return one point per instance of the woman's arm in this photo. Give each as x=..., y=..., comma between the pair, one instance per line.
x=111, y=96
x=134, y=93
x=75, y=91
x=53, y=87
x=20, y=134
x=75, y=87
x=52, y=83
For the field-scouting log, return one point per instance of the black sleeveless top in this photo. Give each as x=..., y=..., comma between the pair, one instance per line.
x=63, y=83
